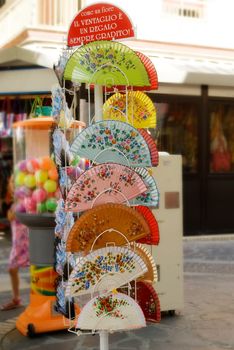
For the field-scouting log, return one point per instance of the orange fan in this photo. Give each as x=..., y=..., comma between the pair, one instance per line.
x=147, y=298
x=110, y=222
x=152, y=146
x=151, y=274
x=153, y=238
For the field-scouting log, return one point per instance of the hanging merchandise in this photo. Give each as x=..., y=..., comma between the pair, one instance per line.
x=135, y=108
x=150, y=197
x=153, y=238
x=152, y=147
x=151, y=274
x=110, y=222
x=151, y=71
x=112, y=141
x=112, y=312
x=147, y=299
x=103, y=218
x=104, y=183
x=104, y=270
x=106, y=63
x=38, y=109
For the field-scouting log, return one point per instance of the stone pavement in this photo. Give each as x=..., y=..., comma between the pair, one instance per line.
x=205, y=323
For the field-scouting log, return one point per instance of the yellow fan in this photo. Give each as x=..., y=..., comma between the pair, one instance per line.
x=135, y=108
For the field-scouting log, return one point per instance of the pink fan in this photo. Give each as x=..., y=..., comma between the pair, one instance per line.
x=104, y=183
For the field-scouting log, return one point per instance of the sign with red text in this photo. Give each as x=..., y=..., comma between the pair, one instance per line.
x=100, y=21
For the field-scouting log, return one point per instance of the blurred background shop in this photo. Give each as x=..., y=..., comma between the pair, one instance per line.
x=191, y=45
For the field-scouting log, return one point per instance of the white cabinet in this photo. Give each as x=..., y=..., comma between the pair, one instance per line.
x=168, y=254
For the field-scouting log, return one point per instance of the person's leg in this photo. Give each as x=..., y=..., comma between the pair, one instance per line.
x=14, y=275
x=15, y=302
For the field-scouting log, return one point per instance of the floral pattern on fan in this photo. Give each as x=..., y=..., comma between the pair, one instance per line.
x=92, y=60
x=134, y=107
x=94, y=270
x=112, y=141
x=103, y=183
x=109, y=306
x=109, y=137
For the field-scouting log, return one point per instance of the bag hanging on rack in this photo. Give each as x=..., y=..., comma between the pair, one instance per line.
x=38, y=110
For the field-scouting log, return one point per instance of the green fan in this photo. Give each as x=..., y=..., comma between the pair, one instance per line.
x=106, y=63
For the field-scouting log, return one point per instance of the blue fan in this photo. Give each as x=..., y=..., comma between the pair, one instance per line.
x=114, y=142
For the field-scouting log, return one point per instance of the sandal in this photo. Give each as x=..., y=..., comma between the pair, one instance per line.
x=13, y=304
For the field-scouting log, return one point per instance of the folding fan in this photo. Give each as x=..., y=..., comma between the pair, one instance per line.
x=104, y=183
x=150, y=198
x=106, y=63
x=135, y=107
x=147, y=298
x=151, y=71
x=151, y=274
x=103, y=270
x=112, y=141
x=152, y=147
x=153, y=238
x=115, y=311
x=110, y=222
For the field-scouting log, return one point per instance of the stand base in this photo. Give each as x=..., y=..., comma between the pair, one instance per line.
x=40, y=317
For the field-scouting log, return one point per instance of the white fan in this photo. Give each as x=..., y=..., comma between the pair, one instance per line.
x=103, y=270
x=112, y=312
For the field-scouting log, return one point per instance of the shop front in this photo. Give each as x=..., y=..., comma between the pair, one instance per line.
x=195, y=118
x=201, y=128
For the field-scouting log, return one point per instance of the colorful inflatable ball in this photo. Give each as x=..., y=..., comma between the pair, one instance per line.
x=53, y=174
x=30, y=205
x=30, y=181
x=19, y=178
x=46, y=163
x=32, y=165
x=41, y=176
x=22, y=165
x=39, y=195
x=50, y=186
x=51, y=204
x=41, y=207
x=22, y=192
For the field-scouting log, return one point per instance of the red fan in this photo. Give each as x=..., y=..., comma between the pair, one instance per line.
x=152, y=146
x=148, y=300
x=149, y=217
x=150, y=68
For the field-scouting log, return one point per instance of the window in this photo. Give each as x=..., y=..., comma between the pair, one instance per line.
x=176, y=131
x=185, y=8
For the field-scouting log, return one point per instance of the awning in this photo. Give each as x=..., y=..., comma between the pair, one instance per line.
x=24, y=71
x=196, y=72
x=27, y=70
